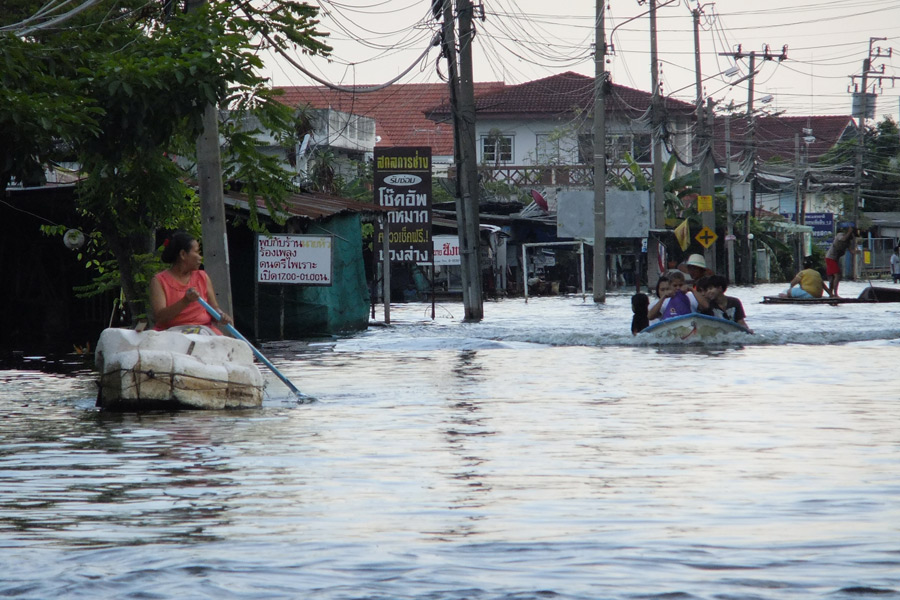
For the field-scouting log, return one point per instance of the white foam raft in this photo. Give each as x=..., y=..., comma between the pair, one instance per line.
x=168, y=369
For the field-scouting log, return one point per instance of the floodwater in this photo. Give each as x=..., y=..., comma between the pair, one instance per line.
x=544, y=453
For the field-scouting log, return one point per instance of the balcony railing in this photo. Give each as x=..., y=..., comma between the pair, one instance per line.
x=555, y=175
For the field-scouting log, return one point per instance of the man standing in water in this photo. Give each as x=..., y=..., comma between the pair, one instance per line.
x=843, y=240
x=895, y=264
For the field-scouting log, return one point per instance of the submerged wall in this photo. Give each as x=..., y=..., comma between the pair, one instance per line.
x=280, y=311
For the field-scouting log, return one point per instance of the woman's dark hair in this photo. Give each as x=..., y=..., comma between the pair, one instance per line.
x=662, y=279
x=174, y=244
x=639, y=303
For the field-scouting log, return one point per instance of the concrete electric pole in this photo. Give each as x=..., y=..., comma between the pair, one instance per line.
x=212, y=204
x=862, y=108
x=705, y=137
x=600, y=157
x=462, y=104
x=750, y=152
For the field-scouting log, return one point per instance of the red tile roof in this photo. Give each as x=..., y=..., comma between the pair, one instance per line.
x=398, y=110
x=775, y=136
x=561, y=95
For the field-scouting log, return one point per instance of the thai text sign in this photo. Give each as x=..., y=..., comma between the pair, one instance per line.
x=403, y=183
x=446, y=250
x=822, y=224
x=292, y=258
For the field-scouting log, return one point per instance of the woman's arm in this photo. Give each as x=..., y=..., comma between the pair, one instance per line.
x=654, y=311
x=163, y=313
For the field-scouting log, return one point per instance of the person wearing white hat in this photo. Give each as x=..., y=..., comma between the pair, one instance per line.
x=695, y=266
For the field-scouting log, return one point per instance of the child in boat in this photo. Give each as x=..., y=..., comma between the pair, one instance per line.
x=675, y=301
x=719, y=305
x=639, y=305
x=663, y=287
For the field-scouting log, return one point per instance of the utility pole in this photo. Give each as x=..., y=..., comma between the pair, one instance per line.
x=751, y=175
x=750, y=151
x=212, y=204
x=659, y=206
x=798, y=181
x=729, y=202
x=704, y=135
x=600, y=157
x=861, y=111
x=474, y=305
x=462, y=100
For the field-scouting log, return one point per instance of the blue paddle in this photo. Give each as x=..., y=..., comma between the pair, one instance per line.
x=230, y=329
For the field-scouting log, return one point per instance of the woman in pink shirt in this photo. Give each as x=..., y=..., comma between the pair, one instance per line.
x=174, y=292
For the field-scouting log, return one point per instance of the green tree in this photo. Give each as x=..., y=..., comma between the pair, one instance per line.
x=880, y=165
x=131, y=100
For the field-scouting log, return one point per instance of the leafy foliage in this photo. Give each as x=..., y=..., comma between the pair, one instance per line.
x=880, y=165
x=128, y=105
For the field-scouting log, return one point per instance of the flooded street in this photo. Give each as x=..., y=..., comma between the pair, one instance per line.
x=544, y=453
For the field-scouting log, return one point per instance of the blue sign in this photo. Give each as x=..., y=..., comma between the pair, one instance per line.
x=822, y=224
x=823, y=228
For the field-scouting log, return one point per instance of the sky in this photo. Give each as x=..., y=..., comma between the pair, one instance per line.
x=374, y=41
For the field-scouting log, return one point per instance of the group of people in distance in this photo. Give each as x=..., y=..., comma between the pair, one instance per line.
x=808, y=283
x=675, y=297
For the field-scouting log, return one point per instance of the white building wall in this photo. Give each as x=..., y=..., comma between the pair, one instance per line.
x=525, y=138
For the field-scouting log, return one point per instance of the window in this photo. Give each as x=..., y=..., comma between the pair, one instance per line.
x=642, y=148
x=638, y=145
x=497, y=149
x=585, y=148
x=548, y=152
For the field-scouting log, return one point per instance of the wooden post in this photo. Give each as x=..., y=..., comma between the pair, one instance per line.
x=386, y=267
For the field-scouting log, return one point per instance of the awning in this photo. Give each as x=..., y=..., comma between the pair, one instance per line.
x=785, y=227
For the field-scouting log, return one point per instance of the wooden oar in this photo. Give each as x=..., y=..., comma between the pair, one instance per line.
x=230, y=329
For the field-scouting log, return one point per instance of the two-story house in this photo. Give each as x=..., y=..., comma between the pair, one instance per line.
x=539, y=133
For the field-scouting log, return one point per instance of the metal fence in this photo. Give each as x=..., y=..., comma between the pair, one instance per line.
x=875, y=258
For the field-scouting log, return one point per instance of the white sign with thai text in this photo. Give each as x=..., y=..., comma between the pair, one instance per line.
x=446, y=250
x=294, y=258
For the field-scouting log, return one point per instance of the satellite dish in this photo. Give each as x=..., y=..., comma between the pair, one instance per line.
x=73, y=239
x=539, y=200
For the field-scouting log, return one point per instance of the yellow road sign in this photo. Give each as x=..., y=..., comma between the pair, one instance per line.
x=704, y=203
x=707, y=237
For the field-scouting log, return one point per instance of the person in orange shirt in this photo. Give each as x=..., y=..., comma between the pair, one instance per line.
x=174, y=292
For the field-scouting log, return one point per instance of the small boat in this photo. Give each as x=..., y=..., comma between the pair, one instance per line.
x=693, y=327
x=869, y=295
x=172, y=369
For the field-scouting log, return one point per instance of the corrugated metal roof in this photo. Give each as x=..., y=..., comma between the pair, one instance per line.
x=312, y=206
